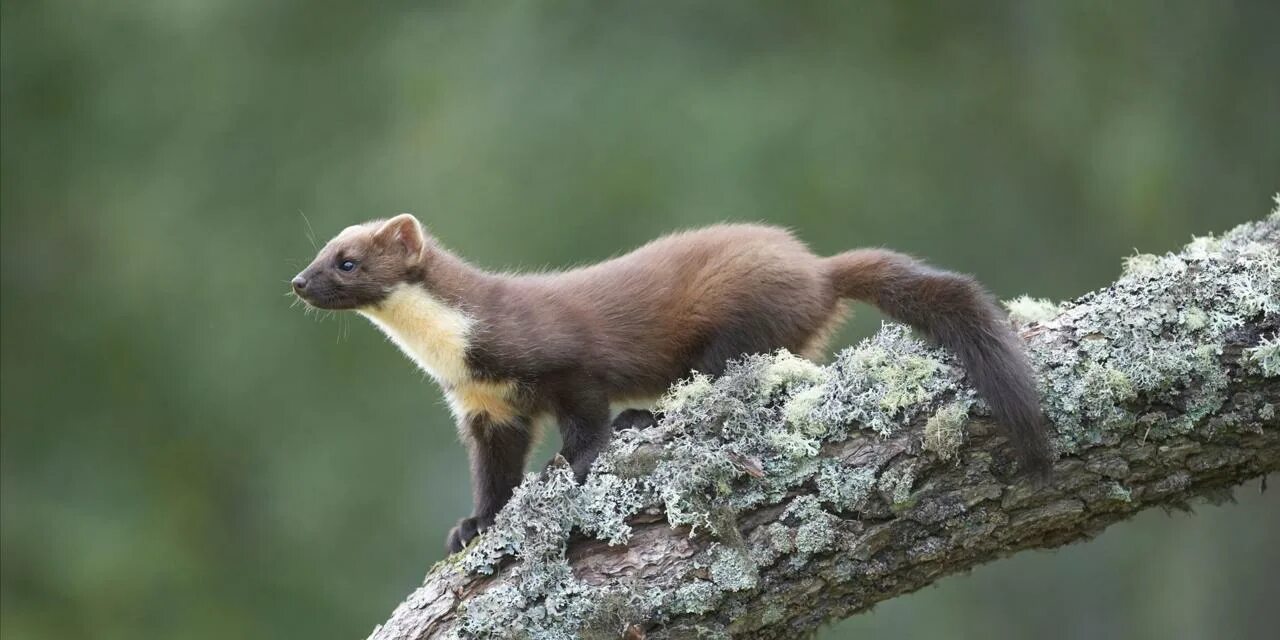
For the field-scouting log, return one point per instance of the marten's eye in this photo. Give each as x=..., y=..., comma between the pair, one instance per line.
x=347, y=265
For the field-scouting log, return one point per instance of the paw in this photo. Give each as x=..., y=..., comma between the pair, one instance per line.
x=634, y=419
x=464, y=532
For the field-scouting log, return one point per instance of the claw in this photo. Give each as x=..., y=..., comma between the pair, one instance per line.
x=463, y=533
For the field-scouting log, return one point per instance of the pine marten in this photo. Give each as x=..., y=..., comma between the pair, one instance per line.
x=509, y=350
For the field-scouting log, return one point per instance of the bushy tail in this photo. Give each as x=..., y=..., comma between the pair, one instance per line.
x=958, y=313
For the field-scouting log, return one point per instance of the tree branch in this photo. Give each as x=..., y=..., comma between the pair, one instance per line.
x=784, y=494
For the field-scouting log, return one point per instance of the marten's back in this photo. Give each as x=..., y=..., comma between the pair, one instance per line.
x=652, y=312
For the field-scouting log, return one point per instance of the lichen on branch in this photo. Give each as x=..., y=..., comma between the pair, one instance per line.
x=785, y=493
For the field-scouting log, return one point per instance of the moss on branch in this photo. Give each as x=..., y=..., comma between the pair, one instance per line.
x=784, y=493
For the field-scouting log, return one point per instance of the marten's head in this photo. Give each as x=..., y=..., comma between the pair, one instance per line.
x=361, y=265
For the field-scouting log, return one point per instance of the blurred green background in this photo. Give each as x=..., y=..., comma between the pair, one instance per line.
x=186, y=456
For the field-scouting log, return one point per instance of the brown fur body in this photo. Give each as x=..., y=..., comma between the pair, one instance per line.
x=567, y=345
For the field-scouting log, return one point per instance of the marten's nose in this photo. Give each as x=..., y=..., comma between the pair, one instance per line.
x=299, y=283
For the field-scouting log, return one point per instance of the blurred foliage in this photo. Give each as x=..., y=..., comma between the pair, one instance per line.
x=184, y=455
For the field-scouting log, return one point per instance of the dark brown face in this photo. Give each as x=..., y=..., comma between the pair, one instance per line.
x=359, y=267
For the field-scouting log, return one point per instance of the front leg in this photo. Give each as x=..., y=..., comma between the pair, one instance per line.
x=498, y=453
x=583, y=414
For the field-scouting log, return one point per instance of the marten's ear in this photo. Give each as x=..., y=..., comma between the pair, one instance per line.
x=403, y=232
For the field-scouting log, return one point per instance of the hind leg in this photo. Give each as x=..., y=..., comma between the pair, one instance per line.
x=805, y=335
x=731, y=345
x=745, y=339
x=713, y=359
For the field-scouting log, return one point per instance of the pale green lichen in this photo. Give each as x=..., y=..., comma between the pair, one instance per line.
x=1148, y=265
x=846, y=489
x=732, y=568
x=697, y=596
x=777, y=540
x=1156, y=333
x=1120, y=493
x=610, y=500
x=681, y=393
x=1026, y=310
x=883, y=383
x=815, y=529
x=794, y=444
x=904, y=383
x=1107, y=388
x=896, y=483
x=1194, y=318
x=802, y=407
x=1202, y=248
x=773, y=612
x=1266, y=356
x=787, y=369
x=944, y=431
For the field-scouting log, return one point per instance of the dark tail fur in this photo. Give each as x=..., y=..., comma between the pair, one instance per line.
x=958, y=313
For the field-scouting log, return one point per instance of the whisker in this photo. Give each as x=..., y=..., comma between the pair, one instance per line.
x=311, y=233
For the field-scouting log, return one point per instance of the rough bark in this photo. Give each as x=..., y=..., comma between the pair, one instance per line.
x=784, y=495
